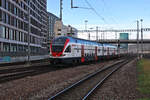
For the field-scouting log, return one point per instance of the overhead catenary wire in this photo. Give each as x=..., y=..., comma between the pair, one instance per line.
x=101, y=17
x=110, y=13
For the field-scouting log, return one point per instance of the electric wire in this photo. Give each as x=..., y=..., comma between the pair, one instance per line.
x=95, y=11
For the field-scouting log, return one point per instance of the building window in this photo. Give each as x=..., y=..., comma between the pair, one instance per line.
x=0, y=15
x=0, y=3
x=15, y=22
x=12, y=21
x=12, y=8
x=19, y=36
x=15, y=10
x=6, y=47
x=7, y=5
x=10, y=34
x=2, y=31
x=6, y=33
x=22, y=37
x=7, y=20
x=3, y=3
x=3, y=17
x=13, y=34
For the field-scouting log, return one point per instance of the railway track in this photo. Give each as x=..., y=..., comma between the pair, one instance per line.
x=82, y=89
x=20, y=68
x=2, y=65
x=17, y=73
x=13, y=73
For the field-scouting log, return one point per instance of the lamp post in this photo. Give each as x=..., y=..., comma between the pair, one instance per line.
x=97, y=33
x=61, y=8
x=141, y=38
x=86, y=25
x=138, y=39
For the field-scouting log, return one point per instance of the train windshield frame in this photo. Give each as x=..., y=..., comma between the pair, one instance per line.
x=59, y=41
x=58, y=44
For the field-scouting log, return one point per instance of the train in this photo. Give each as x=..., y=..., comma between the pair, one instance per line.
x=66, y=49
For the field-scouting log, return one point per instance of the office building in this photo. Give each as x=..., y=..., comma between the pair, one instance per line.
x=51, y=23
x=17, y=19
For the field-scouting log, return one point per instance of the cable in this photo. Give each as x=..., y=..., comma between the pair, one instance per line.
x=95, y=11
x=112, y=17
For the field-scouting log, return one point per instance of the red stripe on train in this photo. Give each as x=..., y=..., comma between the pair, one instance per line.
x=82, y=53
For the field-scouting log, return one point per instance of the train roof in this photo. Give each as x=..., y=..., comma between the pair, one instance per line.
x=83, y=41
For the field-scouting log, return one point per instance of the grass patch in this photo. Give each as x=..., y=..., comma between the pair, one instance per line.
x=144, y=99
x=144, y=77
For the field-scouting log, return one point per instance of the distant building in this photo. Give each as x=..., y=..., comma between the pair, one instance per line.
x=14, y=27
x=71, y=31
x=124, y=36
x=62, y=30
x=52, y=19
x=51, y=23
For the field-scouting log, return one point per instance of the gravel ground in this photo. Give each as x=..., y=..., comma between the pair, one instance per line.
x=45, y=85
x=120, y=86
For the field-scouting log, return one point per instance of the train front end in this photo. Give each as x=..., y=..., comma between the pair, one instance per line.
x=57, y=48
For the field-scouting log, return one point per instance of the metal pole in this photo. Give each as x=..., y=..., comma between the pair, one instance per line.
x=141, y=38
x=138, y=39
x=89, y=35
x=89, y=32
x=116, y=35
x=61, y=8
x=29, y=33
x=97, y=33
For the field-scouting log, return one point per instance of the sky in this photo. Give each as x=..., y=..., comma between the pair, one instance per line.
x=109, y=14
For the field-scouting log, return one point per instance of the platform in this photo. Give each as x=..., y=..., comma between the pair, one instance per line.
x=8, y=59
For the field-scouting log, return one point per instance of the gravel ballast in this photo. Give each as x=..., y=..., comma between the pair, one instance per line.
x=120, y=86
x=42, y=86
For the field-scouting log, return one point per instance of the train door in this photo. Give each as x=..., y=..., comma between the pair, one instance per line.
x=107, y=50
x=114, y=51
x=96, y=58
x=103, y=51
x=108, y=53
x=73, y=50
x=82, y=53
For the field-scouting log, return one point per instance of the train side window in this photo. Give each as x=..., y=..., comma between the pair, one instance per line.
x=99, y=50
x=68, y=49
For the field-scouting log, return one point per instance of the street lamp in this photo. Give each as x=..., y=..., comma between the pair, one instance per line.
x=141, y=38
x=138, y=39
x=61, y=8
x=86, y=25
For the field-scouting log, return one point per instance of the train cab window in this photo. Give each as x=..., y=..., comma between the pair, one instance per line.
x=68, y=49
x=58, y=44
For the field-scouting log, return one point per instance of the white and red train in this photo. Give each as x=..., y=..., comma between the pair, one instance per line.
x=66, y=49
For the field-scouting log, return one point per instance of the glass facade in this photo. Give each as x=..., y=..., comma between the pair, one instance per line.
x=124, y=36
x=51, y=22
x=14, y=25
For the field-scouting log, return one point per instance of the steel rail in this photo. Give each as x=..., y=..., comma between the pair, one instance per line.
x=84, y=79
x=102, y=81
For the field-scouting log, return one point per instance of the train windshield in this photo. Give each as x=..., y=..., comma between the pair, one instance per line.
x=58, y=44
